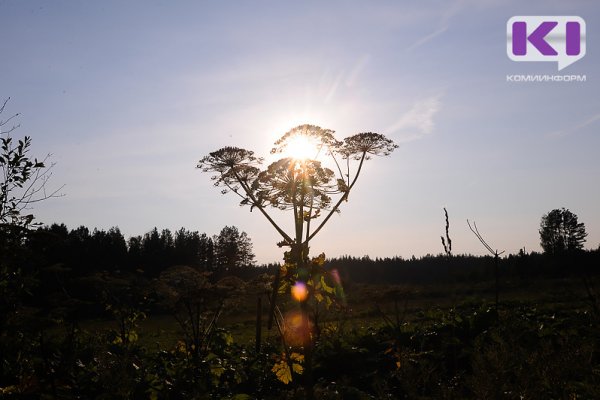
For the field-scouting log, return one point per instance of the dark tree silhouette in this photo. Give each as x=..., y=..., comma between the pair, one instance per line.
x=561, y=232
x=185, y=245
x=153, y=252
x=233, y=249
x=108, y=249
x=134, y=252
x=206, y=252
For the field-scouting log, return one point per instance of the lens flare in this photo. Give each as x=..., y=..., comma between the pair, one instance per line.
x=337, y=280
x=335, y=275
x=299, y=291
x=297, y=328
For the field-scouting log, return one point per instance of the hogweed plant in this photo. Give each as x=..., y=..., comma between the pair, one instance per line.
x=299, y=184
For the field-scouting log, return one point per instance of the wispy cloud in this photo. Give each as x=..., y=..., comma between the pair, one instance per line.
x=418, y=121
x=427, y=38
x=349, y=78
x=442, y=26
x=573, y=129
x=359, y=66
x=445, y=16
x=333, y=88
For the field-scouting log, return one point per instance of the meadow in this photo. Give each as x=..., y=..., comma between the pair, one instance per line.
x=389, y=341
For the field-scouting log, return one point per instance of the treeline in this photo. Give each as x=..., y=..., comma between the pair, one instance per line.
x=82, y=251
x=465, y=268
x=77, y=270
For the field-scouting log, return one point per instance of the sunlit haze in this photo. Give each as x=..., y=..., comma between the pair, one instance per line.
x=301, y=147
x=128, y=96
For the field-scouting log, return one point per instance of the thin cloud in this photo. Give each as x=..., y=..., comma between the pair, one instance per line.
x=427, y=38
x=357, y=69
x=350, y=78
x=334, y=87
x=569, y=131
x=443, y=24
x=418, y=121
x=448, y=14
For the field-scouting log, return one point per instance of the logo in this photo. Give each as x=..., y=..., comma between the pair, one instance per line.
x=553, y=39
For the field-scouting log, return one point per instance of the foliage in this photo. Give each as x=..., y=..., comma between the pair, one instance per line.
x=284, y=367
x=124, y=304
x=534, y=350
x=23, y=179
x=22, y=183
x=561, y=232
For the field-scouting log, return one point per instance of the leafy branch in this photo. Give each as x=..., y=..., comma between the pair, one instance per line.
x=23, y=179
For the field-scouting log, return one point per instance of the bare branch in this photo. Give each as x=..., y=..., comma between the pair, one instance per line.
x=483, y=242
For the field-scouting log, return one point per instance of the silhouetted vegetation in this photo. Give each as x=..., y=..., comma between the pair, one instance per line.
x=439, y=269
x=561, y=232
x=391, y=345
x=64, y=257
x=311, y=193
x=89, y=314
x=23, y=178
x=455, y=348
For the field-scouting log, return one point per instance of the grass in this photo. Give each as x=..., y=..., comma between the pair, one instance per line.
x=366, y=304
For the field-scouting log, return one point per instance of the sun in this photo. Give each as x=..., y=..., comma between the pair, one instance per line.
x=301, y=147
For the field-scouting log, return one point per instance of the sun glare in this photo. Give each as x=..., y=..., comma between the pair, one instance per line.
x=301, y=147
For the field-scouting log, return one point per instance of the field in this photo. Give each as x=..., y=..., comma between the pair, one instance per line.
x=368, y=305
x=189, y=333
x=389, y=341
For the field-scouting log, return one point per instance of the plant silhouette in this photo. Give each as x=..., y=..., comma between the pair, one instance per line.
x=304, y=187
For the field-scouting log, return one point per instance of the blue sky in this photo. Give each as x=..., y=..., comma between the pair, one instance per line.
x=128, y=96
